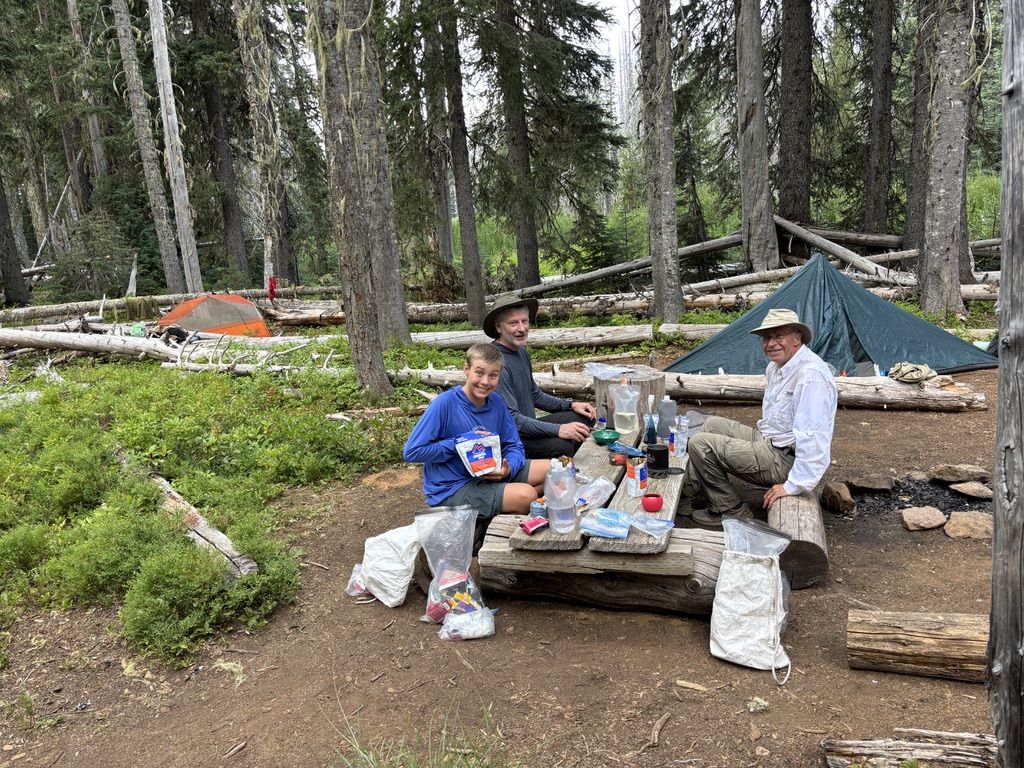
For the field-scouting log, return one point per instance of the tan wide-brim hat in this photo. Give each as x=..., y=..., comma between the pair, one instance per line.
x=777, y=318
x=507, y=301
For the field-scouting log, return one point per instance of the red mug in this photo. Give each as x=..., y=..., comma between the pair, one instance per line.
x=651, y=502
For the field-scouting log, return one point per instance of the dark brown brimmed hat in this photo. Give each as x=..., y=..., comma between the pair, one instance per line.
x=508, y=301
x=777, y=318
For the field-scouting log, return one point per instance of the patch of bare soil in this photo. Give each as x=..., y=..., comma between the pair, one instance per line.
x=557, y=685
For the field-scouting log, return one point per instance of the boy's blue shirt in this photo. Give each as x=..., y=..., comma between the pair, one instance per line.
x=432, y=440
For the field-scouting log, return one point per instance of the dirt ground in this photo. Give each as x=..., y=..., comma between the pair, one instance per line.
x=557, y=685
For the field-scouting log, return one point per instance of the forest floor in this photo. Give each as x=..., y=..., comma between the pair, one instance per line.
x=557, y=685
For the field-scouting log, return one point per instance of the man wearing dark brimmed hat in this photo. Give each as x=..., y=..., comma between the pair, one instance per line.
x=790, y=448
x=568, y=423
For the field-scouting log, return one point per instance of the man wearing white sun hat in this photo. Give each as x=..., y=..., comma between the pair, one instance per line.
x=789, y=449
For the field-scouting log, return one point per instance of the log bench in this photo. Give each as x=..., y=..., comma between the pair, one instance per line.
x=680, y=578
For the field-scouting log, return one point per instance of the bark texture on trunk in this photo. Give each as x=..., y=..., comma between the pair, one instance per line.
x=659, y=155
x=517, y=135
x=796, y=118
x=258, y=65
x=173, y=156
x=945, y=231
x=11, y=282
x=1006, y=633
x=99, y=155
x=465, y=202
x=760, y=245
x=876, y=181
x=342, y=39
x=917, y=170
x=136, y=96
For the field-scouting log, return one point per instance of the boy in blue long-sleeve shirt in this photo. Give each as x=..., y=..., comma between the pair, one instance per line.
x=474, y=407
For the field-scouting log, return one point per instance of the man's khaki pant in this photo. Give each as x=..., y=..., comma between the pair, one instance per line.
x=725, y=447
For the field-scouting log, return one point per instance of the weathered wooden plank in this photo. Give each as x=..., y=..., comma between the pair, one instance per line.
x=638, y=542
x=952, y=645
x=891, y=753
x=674, y=560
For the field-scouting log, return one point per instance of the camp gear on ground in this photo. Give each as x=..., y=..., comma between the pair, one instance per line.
x=224, y=313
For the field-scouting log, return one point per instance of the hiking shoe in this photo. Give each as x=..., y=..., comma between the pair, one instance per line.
x=709, y=519
x=706, y=518
x=687, y=505
x=741, y=512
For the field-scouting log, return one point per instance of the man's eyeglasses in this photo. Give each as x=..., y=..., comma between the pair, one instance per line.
x=776, y=336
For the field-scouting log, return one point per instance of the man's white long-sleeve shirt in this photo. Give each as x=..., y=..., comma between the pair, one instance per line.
x=799, y=411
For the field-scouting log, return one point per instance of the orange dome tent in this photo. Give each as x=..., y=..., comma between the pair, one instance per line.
x=218, y=313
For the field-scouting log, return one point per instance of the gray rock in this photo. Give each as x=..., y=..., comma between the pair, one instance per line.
x=973, y=489
x=959, y=473
x=873, y=482
x=969, y=525
x=922, y=518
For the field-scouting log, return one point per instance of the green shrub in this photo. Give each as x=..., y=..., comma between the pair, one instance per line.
x=23, y=548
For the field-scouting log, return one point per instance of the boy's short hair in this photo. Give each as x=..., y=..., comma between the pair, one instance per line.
x=485, y=353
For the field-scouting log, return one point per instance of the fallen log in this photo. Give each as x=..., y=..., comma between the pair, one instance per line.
x=864, y=265
x=119, y=346
x=874, y=392
x=934, y=749
x=952, y=645
x=599, y=336
x=305, y=317
x=637, y=265
x=202, y=533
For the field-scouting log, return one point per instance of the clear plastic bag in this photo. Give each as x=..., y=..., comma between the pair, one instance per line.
x=446, y=534
x=754, y=537
x=605, y=372
x=595, y=493
x=654, y=526
x=355, y=586
x=609, y=523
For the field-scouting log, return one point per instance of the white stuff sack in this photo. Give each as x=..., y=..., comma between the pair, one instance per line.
x=748, y=613
x=388, y=563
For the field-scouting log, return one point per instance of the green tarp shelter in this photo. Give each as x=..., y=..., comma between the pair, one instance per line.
x=854, y=331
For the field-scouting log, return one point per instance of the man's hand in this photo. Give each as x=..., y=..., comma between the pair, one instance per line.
x=504, y=472
x=773, y=494
x=574, y=431
x=584, y=409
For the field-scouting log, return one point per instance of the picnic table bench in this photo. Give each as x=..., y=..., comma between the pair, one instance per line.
x=674, y=573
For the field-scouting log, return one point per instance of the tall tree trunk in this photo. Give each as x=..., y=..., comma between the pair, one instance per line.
x=341, y=33
x=136, y=96
x=38, y=205
x=945, y=233
x=472, y=271
x=284, y=258
x=517, y=135
x=258, y=65
x=173, y=156
x=796, y=119
x=876, y=181
x=99, y=155
x=223, y=157
x=18, y=227
x=437, y=143
x=79, y=185
x=760, y=245
x=917, y=168
x=11, y=281
x=659, y=156
x=1006, y=616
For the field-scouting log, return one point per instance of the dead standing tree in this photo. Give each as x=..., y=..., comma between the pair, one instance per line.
x=1006, y=632
x=656, y=58
x=342, y=40
x=760, y=244
x=148, y=155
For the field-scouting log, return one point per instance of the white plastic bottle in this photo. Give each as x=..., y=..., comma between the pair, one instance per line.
x=682, y=435
x=666, y=418
x=560, y=495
